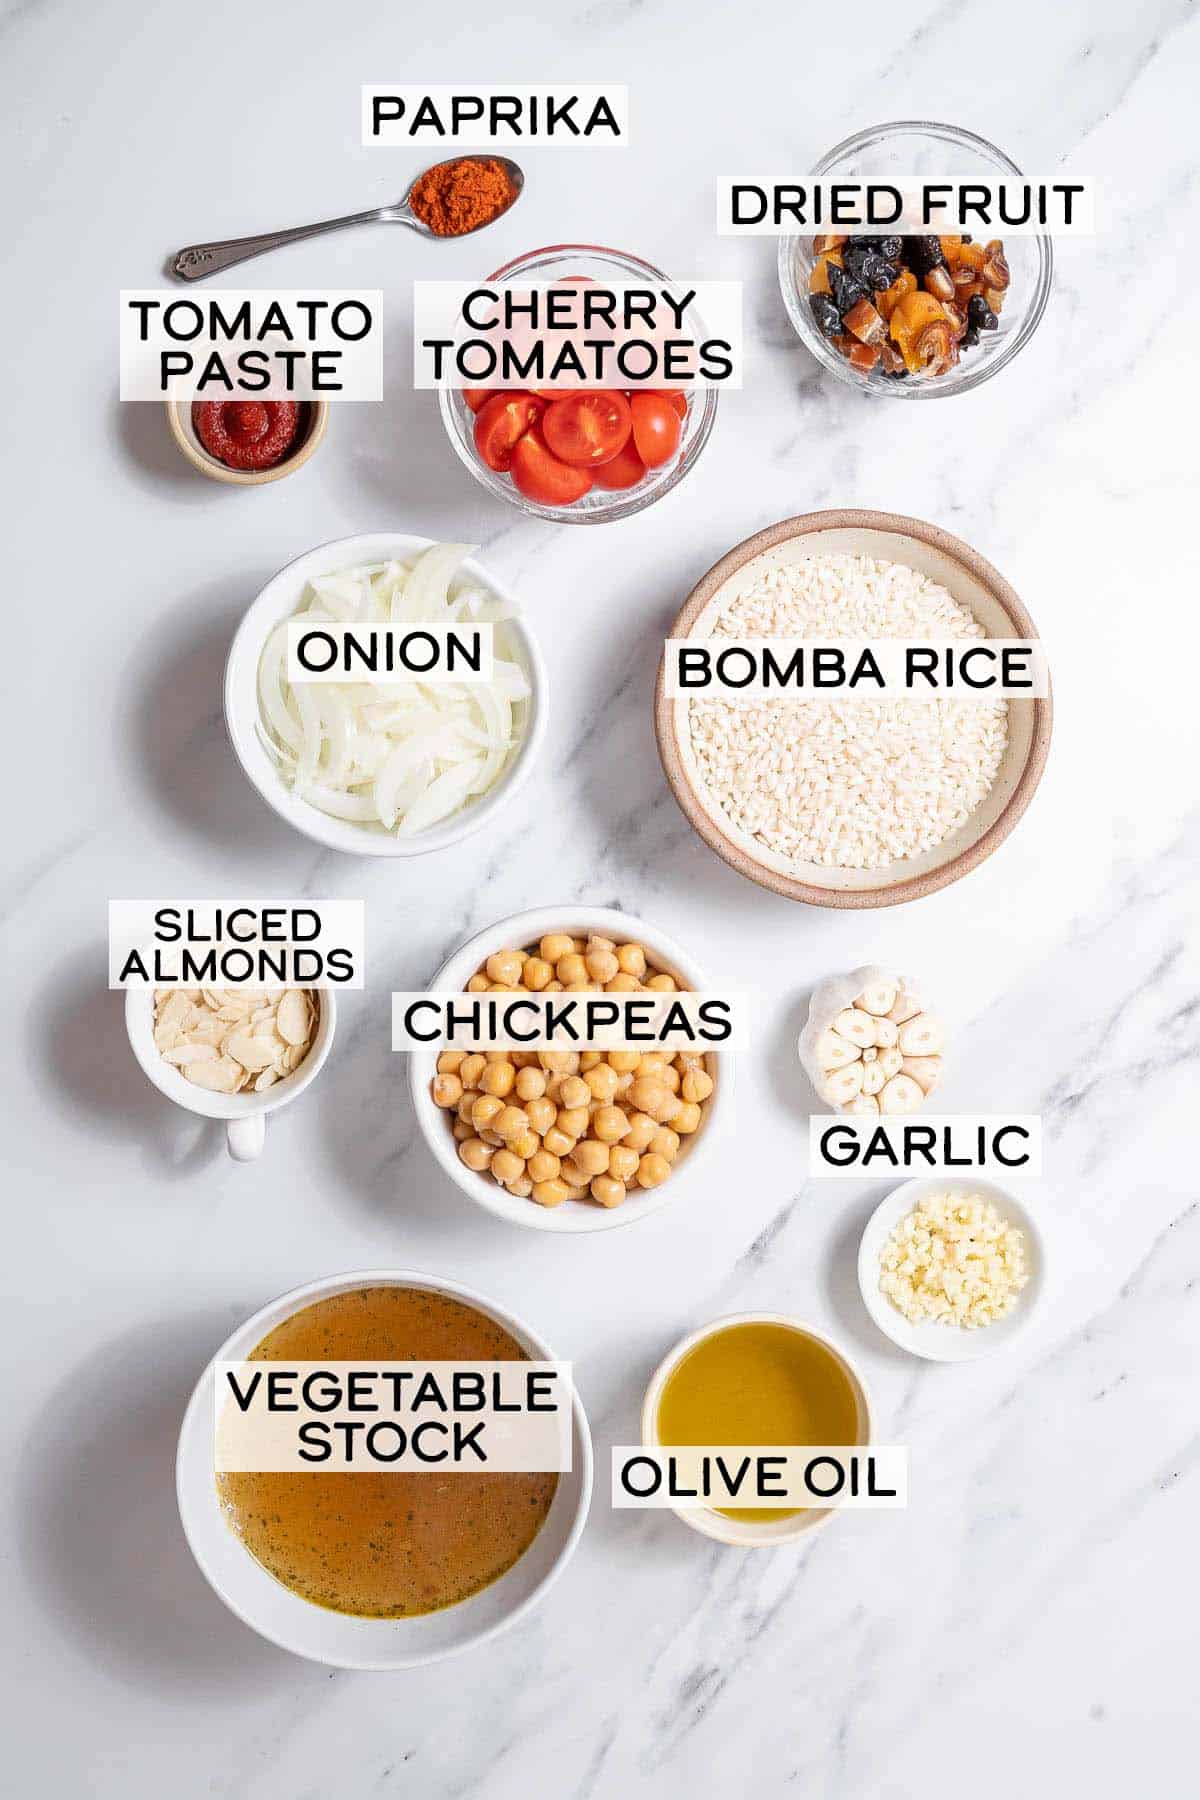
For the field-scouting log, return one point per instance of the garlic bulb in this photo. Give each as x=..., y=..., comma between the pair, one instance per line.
x=869, y=1045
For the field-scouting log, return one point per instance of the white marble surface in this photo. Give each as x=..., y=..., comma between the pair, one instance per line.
x=1029, y=1623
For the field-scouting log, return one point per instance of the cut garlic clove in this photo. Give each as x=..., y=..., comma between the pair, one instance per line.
x=926, y=1071
x=879, y=998
x=856, y=1026
x=886, y=1033
x=907, y=1007
x=863, y=1103
x=869, y=1056
x=922, y=1036
x=842, y=1086
x=891, y=1062
x=900, y=1095
x=834, y=1052
x=873, y=1077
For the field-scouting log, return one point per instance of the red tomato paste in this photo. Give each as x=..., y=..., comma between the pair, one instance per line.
x=247, y=434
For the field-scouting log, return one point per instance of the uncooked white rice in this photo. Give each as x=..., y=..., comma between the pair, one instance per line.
x=848, y=784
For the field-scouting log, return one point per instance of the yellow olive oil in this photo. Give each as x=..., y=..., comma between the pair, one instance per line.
x=758, y=1384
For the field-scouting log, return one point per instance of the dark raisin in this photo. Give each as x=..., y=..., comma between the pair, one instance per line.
x=845, y=290
x=923, y=254
x=860, y=242
x=876, y=271
x=826, y=314
x=856, y=256
x=895, y=374
x=980, y=314
x=970, y=338
x=967, y=238
x=890, y=248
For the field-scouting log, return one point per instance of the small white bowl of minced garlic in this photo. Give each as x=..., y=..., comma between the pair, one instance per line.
x=951, y=1269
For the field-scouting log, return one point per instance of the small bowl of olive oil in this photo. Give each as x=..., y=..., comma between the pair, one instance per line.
x=755, y=1379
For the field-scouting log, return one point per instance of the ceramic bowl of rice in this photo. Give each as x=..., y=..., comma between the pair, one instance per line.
x=853, y=802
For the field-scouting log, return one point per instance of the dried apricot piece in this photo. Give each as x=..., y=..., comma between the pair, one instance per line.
x=818, y=281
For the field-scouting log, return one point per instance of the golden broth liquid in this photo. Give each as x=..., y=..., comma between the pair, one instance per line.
x=387, y=1545
x=757, y=1384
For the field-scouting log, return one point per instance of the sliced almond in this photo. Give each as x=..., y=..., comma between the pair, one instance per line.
x=251, y=1052
x=291, y=1021
x=267, y=1079
x=221, y=1077
x=184, y=1054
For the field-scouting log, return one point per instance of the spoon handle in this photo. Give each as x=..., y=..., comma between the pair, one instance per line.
x=200, y=260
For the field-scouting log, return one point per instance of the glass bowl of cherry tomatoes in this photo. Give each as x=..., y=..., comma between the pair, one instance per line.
x=994, y=291
x=587, y=455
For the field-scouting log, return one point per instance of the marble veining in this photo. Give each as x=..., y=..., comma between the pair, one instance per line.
x=1026, y=1626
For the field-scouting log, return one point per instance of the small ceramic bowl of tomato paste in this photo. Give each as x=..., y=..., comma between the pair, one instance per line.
x=247, y=441
x=582, y=456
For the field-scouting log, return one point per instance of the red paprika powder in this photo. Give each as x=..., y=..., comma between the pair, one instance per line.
x=459, y=196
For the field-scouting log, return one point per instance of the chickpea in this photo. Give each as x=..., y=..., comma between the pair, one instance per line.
x=498, y=1078
x=596, y=942
x=576, y=1193
x=588, y=1060
x=687, y=1119
x=550, y=1193
x=492, y=1137
x=665, y=1143
x=602, y=1082
x=553, y=987
x=555, y=945
x=590, y=1157
x=498, y=987
x=522, y=1188
x=505, y=967
x=485, y=1110
x=447, y=1090
x=466, y=1106
x=601, y=965
x=622, y=984
x=543, y=1165
x=506, y=1167
x=624, y=1083
x=536, y=974
x=475, y=1153
x=554, y=1087
x=523, y=1059
x=650, y=1095
x=478, y=984
x=572, y=1174
x=575, y=1091
x=541, y=1114
x=609, y=1124
x=622, y=1162
x=571, y=968
x=607, y=1191
x=669, y=1077
x=641, y=1129
x=573, y=1120
x=463, y=1129
x=652, y=1170
x=510, y=1120
x=449, y=1062
x=531, y=1084
x=579, y=945
x=632, y=960
x=559, y=1062
x=580, y=987
x=664, y=984
x=652, y=1063
x=697, y=1085
x=524, y=1145
x=557, y=1142
x=471, y=1069
x=625, y=1062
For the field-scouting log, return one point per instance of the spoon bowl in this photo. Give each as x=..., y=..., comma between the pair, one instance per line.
x=403, y=213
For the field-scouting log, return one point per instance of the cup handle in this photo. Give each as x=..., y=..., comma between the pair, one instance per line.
x=244, y=1138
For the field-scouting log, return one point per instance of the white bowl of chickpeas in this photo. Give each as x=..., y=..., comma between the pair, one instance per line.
x=570, y=1140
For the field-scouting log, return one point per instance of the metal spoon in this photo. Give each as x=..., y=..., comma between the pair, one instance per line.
x=201, y=260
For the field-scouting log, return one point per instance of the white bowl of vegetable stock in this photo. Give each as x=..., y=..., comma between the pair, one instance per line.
x=277, y=602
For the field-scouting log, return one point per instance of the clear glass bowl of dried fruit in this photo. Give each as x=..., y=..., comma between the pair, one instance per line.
x=936, y=153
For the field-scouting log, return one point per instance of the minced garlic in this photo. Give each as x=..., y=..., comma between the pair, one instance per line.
x=954, y=1260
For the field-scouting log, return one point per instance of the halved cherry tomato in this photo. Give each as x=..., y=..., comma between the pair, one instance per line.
x=539, y=475
x=477, y=398
x=624, y=471
x=676, y=396
x=588, y=429
x=656, y=428
x=501, y=423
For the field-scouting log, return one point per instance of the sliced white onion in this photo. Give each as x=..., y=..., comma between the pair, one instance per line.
x=401, y=756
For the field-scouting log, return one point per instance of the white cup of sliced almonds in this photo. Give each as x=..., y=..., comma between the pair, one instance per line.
x=231, y=1053
x=951, y=1268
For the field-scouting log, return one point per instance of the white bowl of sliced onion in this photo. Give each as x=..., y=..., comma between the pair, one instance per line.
x=394, y=769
